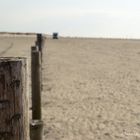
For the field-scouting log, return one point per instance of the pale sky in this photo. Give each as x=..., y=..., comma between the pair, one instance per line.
x=86, y=18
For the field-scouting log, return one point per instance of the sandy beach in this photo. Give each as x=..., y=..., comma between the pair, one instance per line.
x=91, y=87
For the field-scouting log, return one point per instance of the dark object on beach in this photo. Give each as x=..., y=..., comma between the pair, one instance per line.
x=55, y=35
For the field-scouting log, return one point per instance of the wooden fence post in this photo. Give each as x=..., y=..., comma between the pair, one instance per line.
x=36, y=128
x=36, y=124
x=40, y=43
x=14, y=123
x=36, y=83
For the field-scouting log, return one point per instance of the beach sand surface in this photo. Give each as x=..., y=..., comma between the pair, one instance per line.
x=91, y=87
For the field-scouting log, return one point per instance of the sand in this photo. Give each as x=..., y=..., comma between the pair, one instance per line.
x=91, y=87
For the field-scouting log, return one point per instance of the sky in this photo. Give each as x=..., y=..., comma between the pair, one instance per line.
x=84, y=18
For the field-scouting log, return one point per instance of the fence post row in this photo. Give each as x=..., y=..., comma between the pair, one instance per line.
x=14, y=120
x=36, y=126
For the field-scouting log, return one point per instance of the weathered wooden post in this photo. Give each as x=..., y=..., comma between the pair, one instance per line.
x=36, y=83
x=36, y=125
x=14, y=123
x=36, y=128
x=40, y=43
